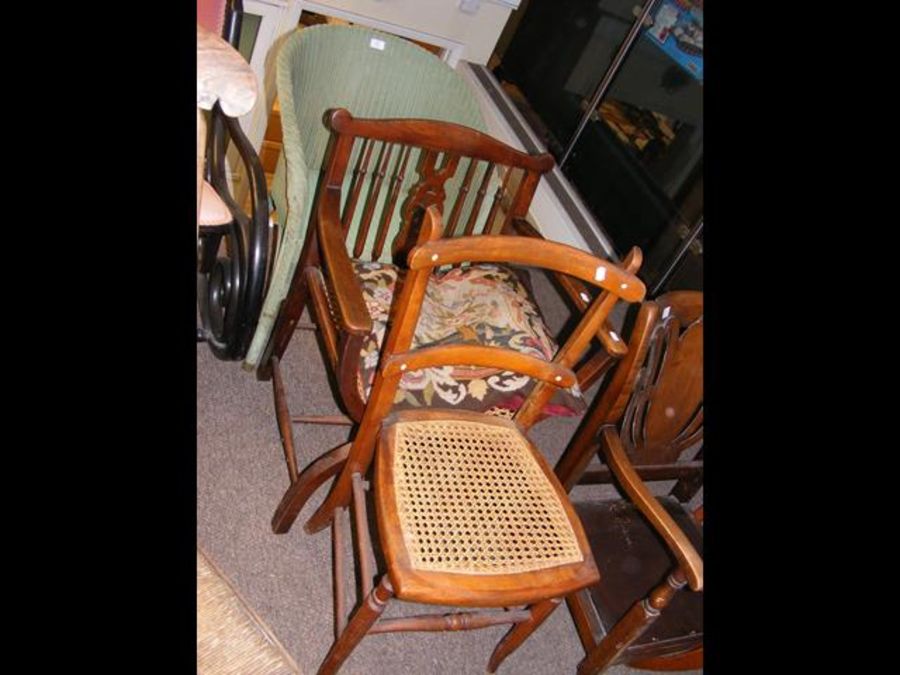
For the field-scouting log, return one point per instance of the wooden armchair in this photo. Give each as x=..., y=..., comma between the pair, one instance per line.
x=378, y=172
x=468, y=512
x=231, y=279
x=648, y=426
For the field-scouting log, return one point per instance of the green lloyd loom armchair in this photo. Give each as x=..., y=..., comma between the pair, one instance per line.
x=369, y=73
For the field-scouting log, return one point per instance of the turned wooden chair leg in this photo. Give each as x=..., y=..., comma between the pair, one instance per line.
x=517, y=634
x=636, y=620
x=312, y=477
x=359, y=625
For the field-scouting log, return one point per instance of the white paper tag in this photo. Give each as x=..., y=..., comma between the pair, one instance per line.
x=375, y=43
x=600, y=274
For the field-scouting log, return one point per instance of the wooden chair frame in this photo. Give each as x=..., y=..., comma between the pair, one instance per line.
x=325, y=279
x=639, y=445
x=540, y=591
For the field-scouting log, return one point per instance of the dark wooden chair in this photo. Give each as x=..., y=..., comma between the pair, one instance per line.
x=231, y=279
x=376, y=173
x=468, y=512
x=648, y=426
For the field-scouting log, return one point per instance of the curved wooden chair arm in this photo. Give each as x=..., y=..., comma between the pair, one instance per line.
x=579, y=294
x=349, y=303
x=478, y=355
x=690, y=561
x=223, y=75
x=520, y=251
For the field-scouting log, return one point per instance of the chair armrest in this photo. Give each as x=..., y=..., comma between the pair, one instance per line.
x=579, y=294
x=690, y=561
x=349, y=304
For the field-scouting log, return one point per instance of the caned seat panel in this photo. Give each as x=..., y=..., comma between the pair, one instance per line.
x=466, y=504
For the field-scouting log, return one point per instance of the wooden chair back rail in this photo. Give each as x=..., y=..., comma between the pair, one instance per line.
x=442, y=154
x=436, y=137
x=431, y=253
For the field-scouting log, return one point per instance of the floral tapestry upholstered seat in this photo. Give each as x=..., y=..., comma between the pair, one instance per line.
x=483, y=304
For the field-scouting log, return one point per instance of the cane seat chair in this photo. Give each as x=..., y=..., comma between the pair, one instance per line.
x=468, y=512
x=351, y=292
x=648, y=426
x=233, y=240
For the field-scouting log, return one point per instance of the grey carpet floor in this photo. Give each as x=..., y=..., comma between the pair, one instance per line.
x=241, y=476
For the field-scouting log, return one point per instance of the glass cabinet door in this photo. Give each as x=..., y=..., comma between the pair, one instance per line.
x=635, y=156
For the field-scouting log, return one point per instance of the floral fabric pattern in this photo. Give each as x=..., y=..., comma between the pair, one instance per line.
x=478, y=304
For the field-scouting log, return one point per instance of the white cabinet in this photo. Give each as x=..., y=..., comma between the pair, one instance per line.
x=465, y=29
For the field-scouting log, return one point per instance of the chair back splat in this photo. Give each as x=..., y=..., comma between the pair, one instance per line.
x=468, y=511
x=647, y=425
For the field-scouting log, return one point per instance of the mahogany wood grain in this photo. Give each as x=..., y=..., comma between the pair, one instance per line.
x=374, y=441
x=362, y=234
x=550, y=255
x=655, y=397
x=391, y=204
x=636, y=621
x=405, y=316
x=579, y=339
x=479, y=199
x=594, y=368
x=579, y=294
x=362, y=620
x=461, y=196
x=338, y=537
x=682, y=549
x=585, y=619
x=621, y=536
x=301, y=489
x=455, y=621
x=518, y=633
x=341, y=420
x=688, y=660
x=356, y=182
x=349, y=306
x=610, y=406
x=436, y=136
x=364, y=546
x=318, y=296
x=283, y=416
x=478, y=355
x=646, y=472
